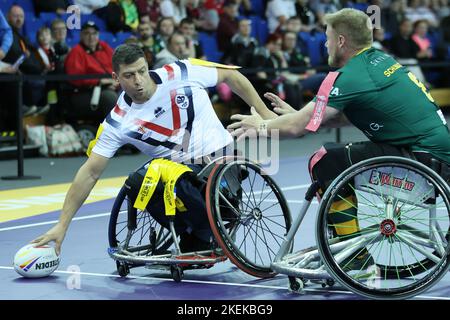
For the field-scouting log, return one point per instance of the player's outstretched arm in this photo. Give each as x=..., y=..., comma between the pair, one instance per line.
x=241, y=86
x=81, y=187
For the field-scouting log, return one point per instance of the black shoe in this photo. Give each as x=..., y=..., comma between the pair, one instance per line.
x=190, y=243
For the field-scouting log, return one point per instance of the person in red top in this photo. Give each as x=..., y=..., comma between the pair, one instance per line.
x=90, y=98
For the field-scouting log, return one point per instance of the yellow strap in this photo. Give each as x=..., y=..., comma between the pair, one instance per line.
x=169, y=172
x=93, y=142
x=204, y=63
x=148, y=186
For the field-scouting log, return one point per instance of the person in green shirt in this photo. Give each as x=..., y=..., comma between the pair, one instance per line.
x=376, y=94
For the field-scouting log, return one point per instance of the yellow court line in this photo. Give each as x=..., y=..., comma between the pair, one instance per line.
x=21, y=203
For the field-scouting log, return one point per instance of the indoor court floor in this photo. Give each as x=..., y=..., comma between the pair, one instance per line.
x=86, y=272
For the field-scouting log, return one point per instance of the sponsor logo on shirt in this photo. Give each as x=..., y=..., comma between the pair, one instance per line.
x=159, y=111
x=182, y=101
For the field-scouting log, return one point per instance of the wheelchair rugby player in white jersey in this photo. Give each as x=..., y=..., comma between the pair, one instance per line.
x=166, y=113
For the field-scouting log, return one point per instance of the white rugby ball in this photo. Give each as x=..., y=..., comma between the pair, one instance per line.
x=36, y=262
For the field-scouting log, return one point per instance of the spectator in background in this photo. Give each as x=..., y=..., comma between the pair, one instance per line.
x=421, y=39
x=166, y=27
x=88, y=6
x=294, y=25
x=441, y=8
x=403, y=47
x=379, y=41
x=242, y=46
x=391, y=16
x=90, y=56
x=187, y=29
x=443, y=51
x=56, y=88
x=306, y=15
x=271, y=58
x=175, y=9
x=114, y=16
x=57, y=6
x=278, y=11
x=59, y=35
x=244, y=7
x=149, y=11
x=45, y=49
x=308, y=79
x=228, y=25
x=210, y=11
x=419, y=10
x=131, y=14
x=6, y=37
x=33, y=90
x=148, y=42
x=324, y=7
x=176, y=50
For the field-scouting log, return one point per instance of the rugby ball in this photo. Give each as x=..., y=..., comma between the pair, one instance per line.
x=36, y=262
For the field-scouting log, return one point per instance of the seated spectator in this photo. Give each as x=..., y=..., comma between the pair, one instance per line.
x=45, y=49
x=294, y=25
x=131, y=14
x=324, y=7
x=56, y=88
x=244, y=7
x=34, y=97
x=90, y=56
x=271, y=58
x=166, y=27
x=176, y=50
x=308, y=79
x=175, y=9
x=187, y=29
x=421, y=39
x=228, y=25
x=443, y=51
x=403, y=47
x=57, y=6
x=210, y=11
x=242, y=46
x=391, y=16
x=148, y=42
x=278, y=11
x=149, y=11
x=379, y=41
x=114, y=16
x=306, y=14
x=6, y=36
x=419, y=10
x=441, y=8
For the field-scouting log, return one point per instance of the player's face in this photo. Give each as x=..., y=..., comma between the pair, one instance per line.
x=135, y=80
x=334, y=48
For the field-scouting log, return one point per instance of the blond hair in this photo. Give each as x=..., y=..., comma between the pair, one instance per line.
x=354, y=25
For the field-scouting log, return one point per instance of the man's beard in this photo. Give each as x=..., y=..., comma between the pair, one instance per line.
x=335, y=61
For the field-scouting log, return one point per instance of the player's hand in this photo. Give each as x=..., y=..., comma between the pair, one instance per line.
x=55, y=234
x=279, y=106
x=246, y=125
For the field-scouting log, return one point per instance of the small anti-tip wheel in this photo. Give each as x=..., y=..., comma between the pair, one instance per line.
x=328, y=282
x=122, y=269
x=177, y=273
x=295, y=285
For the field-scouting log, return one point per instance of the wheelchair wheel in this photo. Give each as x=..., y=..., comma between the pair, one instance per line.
x=401, y=247
x=248, y=215
x=134, y=230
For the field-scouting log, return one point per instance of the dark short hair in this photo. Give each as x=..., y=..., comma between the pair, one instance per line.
x=126, y=54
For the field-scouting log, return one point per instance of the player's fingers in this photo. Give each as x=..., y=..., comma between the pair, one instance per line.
x=41, y=242
x=280, y=110
x=237, y=132
x=58, y=247
x=234, y=125
x=238, y=117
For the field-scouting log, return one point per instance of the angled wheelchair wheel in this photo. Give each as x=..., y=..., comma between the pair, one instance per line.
x=393, y=238
x=248, y=215
x=135, y=231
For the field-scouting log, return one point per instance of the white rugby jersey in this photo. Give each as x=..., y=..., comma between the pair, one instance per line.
x=178, y=121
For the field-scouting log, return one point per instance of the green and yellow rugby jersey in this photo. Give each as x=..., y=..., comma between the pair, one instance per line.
x=386, y=101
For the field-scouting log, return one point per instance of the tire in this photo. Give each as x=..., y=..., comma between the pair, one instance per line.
x=146, y=228
x=395, y=199
x=231, y=227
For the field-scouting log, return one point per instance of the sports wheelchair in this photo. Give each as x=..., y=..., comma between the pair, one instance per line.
x=247, y=230
x=400, y=250
x=402, y=246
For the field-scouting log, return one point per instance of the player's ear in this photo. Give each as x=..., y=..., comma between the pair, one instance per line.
x=115, y=76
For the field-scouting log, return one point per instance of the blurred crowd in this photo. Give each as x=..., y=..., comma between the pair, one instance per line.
x=36, y=39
